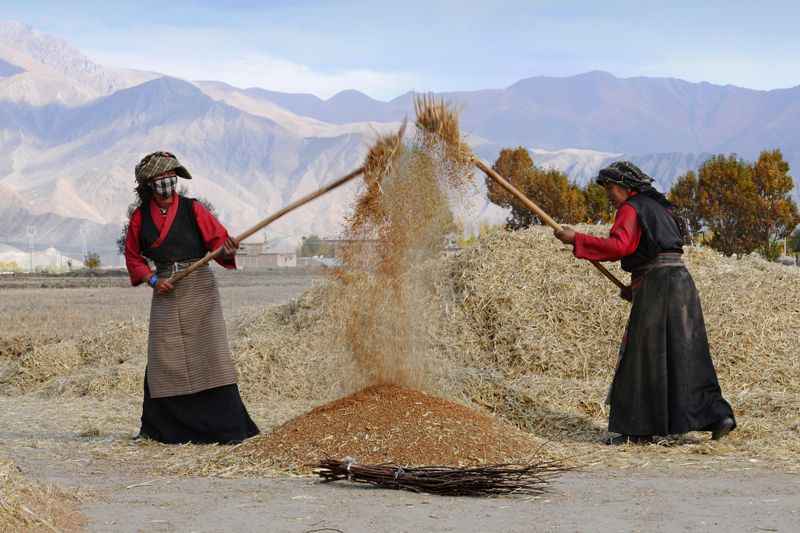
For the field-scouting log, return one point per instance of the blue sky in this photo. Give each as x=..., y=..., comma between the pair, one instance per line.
x=387, y=48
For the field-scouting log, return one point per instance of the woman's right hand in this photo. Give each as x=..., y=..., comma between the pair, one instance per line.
x=163, y=286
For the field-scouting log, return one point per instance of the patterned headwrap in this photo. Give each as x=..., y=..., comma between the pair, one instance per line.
x=625, y=174
x=157, y=164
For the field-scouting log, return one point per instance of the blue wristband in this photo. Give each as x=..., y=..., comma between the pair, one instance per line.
x=153, y=281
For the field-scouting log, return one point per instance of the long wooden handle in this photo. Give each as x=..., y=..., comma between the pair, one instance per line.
x=538, y=210
x=267, y=221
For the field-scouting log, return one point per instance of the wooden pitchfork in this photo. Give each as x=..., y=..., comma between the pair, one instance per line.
x=440, y=120
x=377, y=163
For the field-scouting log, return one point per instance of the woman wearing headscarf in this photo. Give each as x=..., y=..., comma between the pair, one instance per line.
x=665, y=382
x=190, y=390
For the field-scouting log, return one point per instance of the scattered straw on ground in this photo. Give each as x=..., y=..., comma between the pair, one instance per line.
x=29, y=506
x=381, y=424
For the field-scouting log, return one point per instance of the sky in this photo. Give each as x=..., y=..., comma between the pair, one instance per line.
x=385, y=49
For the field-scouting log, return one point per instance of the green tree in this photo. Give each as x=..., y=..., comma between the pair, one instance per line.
x=549, y=189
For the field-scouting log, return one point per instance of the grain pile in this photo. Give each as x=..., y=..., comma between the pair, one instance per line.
x=29, y=506
x=381, y=424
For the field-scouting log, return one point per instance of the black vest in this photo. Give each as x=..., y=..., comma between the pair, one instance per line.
x=660, y=232
x=183, y=241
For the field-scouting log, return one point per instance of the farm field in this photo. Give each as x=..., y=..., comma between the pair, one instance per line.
x=68, y=416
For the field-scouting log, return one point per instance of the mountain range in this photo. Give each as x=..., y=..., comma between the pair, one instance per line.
x=71, y=132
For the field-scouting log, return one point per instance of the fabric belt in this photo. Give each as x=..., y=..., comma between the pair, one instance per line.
x=172, y=268
x=666, y=259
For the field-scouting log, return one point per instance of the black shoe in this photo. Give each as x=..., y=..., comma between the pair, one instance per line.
x=722, y=428
x=629, y=439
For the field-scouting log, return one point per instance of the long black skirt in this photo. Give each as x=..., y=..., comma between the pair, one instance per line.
x=211, y=416
x=666, y=383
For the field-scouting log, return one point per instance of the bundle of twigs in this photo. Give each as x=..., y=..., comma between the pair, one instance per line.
x=489, y=480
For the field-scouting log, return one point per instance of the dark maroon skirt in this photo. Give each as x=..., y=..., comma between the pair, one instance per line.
x=211, y=416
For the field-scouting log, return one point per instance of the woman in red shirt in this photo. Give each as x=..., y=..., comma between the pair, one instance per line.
x=190, y=390
x=665, y=382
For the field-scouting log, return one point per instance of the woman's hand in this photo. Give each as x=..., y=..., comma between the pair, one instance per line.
x=164, y=286
x=626, y=293
x=565, y=234
x=230, y=246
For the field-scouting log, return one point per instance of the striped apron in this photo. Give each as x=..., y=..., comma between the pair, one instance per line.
x=187, y=349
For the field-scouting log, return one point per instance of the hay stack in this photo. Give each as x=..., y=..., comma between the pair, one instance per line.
x=100, y=364
x=516, y=325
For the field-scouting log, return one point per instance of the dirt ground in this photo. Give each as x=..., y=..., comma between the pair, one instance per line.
x=123, y=490
x=125, y=485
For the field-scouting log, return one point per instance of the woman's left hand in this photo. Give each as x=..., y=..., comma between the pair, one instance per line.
x=565, y=234
x=230, y=246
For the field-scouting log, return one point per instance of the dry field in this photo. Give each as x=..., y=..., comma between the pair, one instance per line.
x=514, y=328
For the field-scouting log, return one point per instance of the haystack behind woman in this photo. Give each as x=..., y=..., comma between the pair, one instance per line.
x=665, y=381
x=190, y=391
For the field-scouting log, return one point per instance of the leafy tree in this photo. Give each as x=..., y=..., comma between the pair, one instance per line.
x=727, y=203
x=683, y=195
x=774, y=186
x=794, y=242
x=746, y=206
x=549, y=189
x=598, y=207
x=313, y=246
x=9, y=266
x=92, y=260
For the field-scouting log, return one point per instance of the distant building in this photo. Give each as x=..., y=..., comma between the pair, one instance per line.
x=257, y=255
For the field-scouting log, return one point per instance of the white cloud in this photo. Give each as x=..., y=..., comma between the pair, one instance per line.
x=282, y=75
x=259, y=70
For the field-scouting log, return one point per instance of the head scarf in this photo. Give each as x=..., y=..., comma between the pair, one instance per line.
x=627, y=175
x=157, y=164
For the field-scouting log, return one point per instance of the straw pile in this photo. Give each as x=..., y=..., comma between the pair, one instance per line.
x=28, y=506
x=516, y=326
x=94, y=364
x=551, y=327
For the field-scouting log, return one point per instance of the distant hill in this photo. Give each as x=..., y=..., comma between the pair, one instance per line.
x=71, y=132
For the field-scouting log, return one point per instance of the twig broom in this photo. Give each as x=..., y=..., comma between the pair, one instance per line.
x=487, y=480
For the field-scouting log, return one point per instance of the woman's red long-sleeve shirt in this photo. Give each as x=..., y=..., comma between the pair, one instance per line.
x=212, y=233
x=621, y=241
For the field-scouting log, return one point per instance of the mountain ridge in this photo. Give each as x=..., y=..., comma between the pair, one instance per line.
x=71, y=132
